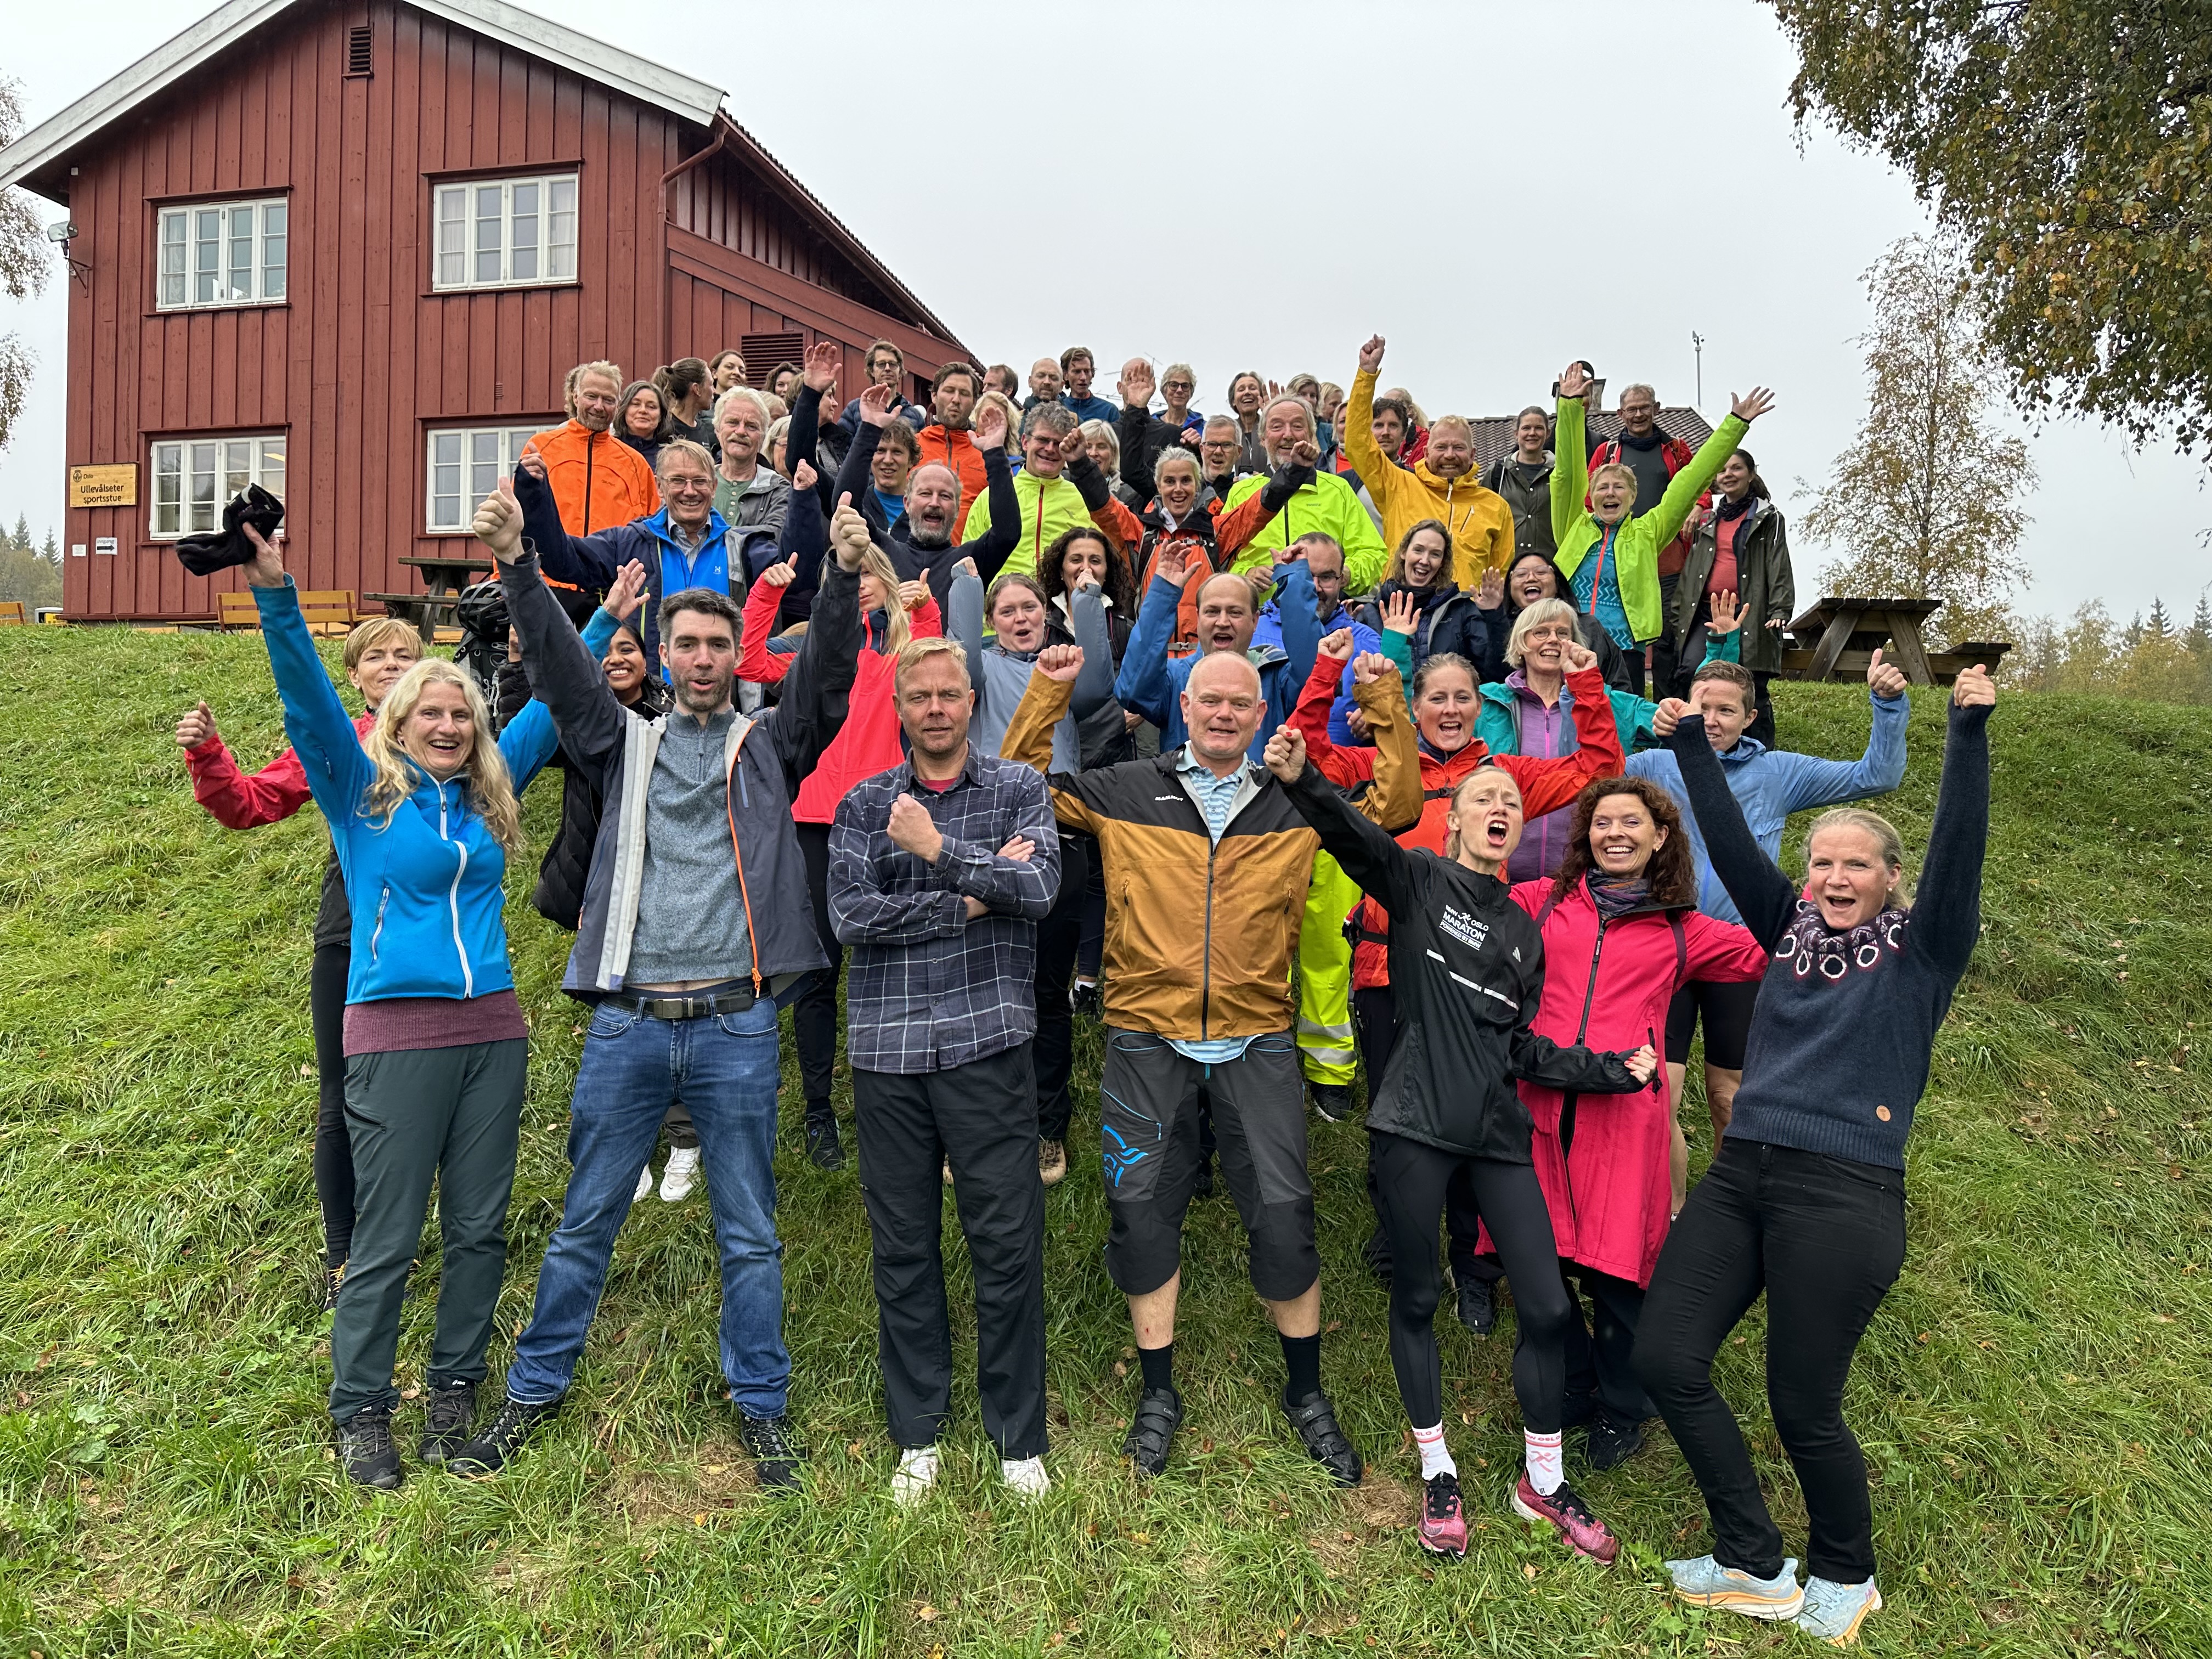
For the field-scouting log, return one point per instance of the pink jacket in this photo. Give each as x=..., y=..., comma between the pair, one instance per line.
x=1610, y=1196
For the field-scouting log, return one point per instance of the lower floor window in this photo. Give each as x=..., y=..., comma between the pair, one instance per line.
x=193, y=477
x=466, y=466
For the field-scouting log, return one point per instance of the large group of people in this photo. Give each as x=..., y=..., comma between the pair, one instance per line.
x=1294, y=744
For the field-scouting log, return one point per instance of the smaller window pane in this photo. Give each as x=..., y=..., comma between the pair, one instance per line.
x=168, y=462
x=272, y=466
x=272, y=268
x=201, y=515
x=273, y=218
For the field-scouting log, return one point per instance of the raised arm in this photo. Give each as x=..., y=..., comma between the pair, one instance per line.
x=1363, y=847
x=1356, y=432
x=1094, y=682
x=1763, y=895
x=1570, y=459
x=1809, y=781
x=321, y=731
x=818, y=684
x=1135, y=430
x=529, y=740
x=963, y=616
x=1029, y=734
x=1947, y=911
x=585, y=561
x=1002, y=528
x=1395, y=801
x=1143, y=685
x=1685, y=487
x=235, y=799
x=1346, y=767
x=564, y=674
x=1295, y=605
x=1549, y=784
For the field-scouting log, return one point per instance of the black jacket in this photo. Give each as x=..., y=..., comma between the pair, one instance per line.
x=1467, y=967
x=1449, y=621
x=1145, y=438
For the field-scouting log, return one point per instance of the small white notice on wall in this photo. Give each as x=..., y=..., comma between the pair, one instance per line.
x=76, y=550
x=104, y=544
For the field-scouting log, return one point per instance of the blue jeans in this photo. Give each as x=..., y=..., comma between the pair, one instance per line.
x=724, y=1069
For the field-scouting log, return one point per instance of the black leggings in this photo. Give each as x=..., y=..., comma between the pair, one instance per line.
x=1824, y=1238
x=1376, y=1016
x=1411, y=1179
x=326, y=998
x=814, y=1009
x=1057, y=937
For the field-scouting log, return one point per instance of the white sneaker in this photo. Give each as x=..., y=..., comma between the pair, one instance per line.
x=915, y=1474
x=644, y=1185
x=1025, y=1476
x=681, y=1178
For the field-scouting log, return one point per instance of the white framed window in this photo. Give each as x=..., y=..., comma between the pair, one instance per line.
x=222, y=253
x=505, y=232
x=466, y=464
x=193, y=477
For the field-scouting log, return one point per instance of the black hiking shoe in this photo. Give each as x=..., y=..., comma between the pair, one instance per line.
x=493, y=1446
x=333, y=1278
x=1611, y=1444
x=774, y=1450
x=446, y=1421
x=367, y=1450
x=1332, y=1101
x=1478, y=1307
x=1085, y=1001
x=1315, y=1418
x=823, y=1146
x=1159, y=1414
x=1202, y=1184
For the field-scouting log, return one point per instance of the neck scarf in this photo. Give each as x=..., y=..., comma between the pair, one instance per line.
x=1615, y=899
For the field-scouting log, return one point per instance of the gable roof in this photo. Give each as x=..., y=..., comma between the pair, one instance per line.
x=33, y=160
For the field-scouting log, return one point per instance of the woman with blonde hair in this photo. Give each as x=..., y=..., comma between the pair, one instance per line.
x=870, y=741
x=378, y=654
x=423, y=811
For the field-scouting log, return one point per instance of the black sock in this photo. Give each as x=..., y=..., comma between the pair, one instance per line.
x=1159, y=1367
x=1302, y=1359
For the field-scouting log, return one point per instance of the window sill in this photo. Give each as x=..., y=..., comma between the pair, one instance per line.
x=463, y=293
x=216, y=310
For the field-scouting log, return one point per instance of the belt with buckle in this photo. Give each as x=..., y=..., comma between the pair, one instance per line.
x=675, y=1008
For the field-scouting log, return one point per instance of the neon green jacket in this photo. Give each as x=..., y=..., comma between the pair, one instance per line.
x=1326, y=504
x=1636, y=544
x=1050, y=508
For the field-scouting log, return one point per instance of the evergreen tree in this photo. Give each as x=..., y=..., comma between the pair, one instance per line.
x=2199, y=637
x=2159, y=625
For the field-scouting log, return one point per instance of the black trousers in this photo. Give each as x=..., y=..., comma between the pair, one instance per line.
x=1058, y=936
x=1093, y=947
x=1375, y=1011
x=334, y=1185
x=1412, y=1179
x=814, y=1009
x=981, y=1116
x=1600, y=1346
x=1824, y=1238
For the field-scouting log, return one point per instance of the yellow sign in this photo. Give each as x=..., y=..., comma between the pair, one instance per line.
x=104, y=486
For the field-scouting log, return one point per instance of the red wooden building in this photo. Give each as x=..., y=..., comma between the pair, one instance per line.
x=349, y=248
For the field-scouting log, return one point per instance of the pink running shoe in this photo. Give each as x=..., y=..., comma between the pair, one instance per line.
x=1444, y=1522
x=1581, y=1531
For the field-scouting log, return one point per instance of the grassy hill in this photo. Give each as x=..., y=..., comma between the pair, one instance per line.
x=2033, y=1397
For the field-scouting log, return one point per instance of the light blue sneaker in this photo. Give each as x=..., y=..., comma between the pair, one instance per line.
x=1709, y=1584
x=1833, y=1612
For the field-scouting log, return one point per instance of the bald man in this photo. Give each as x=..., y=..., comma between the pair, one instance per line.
x=1207, y=865
x=1152, y=685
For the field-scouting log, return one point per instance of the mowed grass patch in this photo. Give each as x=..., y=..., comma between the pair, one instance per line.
x=2032, y=1397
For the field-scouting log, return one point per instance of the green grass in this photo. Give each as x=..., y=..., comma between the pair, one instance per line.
x=2032, y=1397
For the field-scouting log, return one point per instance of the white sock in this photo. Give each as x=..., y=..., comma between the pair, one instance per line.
x=915, y=1474
x=1547, y=1467
x=1435, y=1456
x=1025, y=1475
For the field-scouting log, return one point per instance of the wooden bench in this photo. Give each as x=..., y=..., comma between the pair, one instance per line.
x=1845, y=632
x=330, y=613
x=13, y=614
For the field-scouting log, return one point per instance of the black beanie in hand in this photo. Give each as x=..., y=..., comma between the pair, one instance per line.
x=204, y=555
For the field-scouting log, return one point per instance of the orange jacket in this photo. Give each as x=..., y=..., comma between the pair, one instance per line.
x=599, y=481
x=958, y=451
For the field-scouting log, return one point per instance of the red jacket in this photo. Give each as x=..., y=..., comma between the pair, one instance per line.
x=1676, y=455
x=1609, y=987
x=1546, y=786
x=871, y=740
x=246, y=800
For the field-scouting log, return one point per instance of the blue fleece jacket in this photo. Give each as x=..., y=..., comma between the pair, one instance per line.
x=426, y=888
x=1151, y=681
x=1269, y=631
x=1770, y=784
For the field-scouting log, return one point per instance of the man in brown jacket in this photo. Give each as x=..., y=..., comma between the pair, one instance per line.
x=1206, y=869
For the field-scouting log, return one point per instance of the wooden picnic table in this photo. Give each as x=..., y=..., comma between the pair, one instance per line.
x=443, y=580
x=1837, y=639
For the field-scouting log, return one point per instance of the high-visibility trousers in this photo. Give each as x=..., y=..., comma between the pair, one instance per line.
x=1327, y=1048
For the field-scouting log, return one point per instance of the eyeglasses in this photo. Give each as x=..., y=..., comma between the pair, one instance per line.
x=1176, y=385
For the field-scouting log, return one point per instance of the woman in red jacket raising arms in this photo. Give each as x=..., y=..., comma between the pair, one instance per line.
x=1621, y=933
x=378, y=654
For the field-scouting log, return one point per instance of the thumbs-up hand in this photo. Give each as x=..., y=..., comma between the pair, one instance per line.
x=195, y=728
x=1885, y=680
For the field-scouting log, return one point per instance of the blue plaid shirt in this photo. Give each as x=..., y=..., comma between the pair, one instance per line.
x=930, y=989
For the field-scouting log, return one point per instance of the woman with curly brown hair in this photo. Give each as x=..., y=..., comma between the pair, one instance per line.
x=1621, y=931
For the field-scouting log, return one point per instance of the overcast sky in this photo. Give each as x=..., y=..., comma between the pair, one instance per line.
x=1264, y=184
